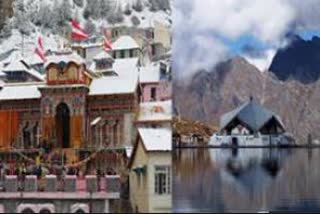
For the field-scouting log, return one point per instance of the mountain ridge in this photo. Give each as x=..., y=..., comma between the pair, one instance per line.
x=209, y=94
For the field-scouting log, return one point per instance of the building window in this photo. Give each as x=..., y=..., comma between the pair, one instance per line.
x=122, y=54
x=131, y=53
x=153, y=93
x=114, y=33
x=162, y=180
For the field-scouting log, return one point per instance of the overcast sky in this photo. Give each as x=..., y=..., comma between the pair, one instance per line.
x=207, y=31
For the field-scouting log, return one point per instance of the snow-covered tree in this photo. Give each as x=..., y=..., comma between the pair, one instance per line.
x=115, y=16
x=62, y=17
x=92, y=9
x=157, y=5
x=104, y=6
x=135, y=20
x=44, y=17
x=127, y=10
x=79, y=3
x=138, y=6
x=20, y=18
x=6, y=31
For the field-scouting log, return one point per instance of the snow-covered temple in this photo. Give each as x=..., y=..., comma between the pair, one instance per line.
x=71, y=108
x=250, y=125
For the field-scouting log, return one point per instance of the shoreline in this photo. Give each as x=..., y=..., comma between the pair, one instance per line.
x=246, y=147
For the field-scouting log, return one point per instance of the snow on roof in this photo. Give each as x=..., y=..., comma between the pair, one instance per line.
x=125, y=83
x=156, y=139
x=1, y=73
x=124, y=66
x=2, y=83
x=124, y=43
x=19, y=66
x=102, y=55
x=20, y=91
x=33, y=59
x=13, y=55
x=66, y=58
x=87, y=44
x=16, y=65
x=155, y=111
x=36, y=74
x=107, y=85
x=150, y=73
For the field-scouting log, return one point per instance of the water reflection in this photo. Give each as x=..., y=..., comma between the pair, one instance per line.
x=253, y=180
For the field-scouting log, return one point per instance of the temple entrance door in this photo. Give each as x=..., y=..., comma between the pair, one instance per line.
x=63, y=125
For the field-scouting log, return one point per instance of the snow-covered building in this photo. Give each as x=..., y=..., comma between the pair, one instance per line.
x=154, y=83
x=155, y=114
x=71, y=108
x=154, y=33
x=88, y=49
x=19, y=71
x=125, y=47
x=250, y=125
x=151, y=171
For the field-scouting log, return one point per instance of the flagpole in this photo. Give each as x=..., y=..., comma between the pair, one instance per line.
x=22, y=31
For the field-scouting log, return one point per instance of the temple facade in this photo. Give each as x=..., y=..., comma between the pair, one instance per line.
x=73, y=108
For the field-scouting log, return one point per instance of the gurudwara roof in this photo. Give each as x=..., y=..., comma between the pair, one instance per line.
x=252, y=114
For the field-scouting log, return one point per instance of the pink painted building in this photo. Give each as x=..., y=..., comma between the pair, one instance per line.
x=153, y=84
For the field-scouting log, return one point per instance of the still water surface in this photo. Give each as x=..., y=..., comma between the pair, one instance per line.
x=246, y=180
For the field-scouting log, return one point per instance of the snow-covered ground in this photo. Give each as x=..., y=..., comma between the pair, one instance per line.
x=37, y=14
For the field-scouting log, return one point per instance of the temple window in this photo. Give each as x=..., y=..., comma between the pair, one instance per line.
x=153, y=94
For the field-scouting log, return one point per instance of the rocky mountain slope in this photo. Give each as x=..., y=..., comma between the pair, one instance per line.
x=298, y=61
x=208, y=95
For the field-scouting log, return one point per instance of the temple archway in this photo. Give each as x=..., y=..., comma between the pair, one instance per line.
x=63, y=125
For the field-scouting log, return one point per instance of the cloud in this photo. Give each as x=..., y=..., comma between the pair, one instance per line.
x=200, y=28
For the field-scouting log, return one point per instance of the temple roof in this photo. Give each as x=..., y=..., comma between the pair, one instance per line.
x=124, y=43
x=124, y=83
x=252, y=114
x=18, y=65
x=65, y=58
x=20, y=91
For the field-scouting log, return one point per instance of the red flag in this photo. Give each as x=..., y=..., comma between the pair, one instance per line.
x=39, y=53
x=40, y=43
x=107, y=43
x=77, y=32
x=39, y=50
